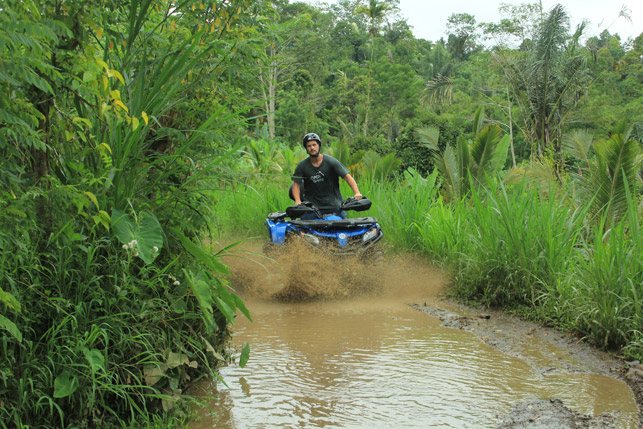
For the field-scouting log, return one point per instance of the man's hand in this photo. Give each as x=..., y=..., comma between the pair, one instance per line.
x=358, y=196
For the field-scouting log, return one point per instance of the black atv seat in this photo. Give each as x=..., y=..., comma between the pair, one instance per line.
x=358, y=222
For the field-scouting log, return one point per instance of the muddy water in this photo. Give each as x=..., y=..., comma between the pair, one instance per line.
x=367, y=359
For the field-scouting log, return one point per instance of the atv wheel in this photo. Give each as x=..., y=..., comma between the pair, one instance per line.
x=373, y=254
x=271, y=249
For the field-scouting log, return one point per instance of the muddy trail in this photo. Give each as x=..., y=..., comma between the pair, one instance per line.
x=344, y=343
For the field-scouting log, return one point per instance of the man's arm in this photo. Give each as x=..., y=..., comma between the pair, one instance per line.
x=352, y=183
x=296, y=194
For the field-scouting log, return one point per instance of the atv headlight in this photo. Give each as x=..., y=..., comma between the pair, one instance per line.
x=310, y=238
x=370, y=234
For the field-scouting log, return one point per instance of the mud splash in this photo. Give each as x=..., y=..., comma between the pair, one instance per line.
x=299, y=274
x=354, y=353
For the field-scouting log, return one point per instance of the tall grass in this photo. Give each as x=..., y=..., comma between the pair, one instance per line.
x=610, y=285
x=401, y=205
x=242, y=207
x=534, y=252
x=518, y=244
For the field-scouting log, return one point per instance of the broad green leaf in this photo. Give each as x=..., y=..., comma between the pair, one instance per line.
x=118, y=76
x=500, y=156
x=225, y=309
x=203, y=294
x=176, y=359
x=209, y=348
x=104, y=146
x=429, y=137
x=102, y=63
x=147, y=233
x=9, y=300
x=241, y=306
x=122, y=226
x=11, y=327
x=245, y=355
x=150, y=236
x=120, y=104
x=179, y=306
x=153, y=374
x=95, y=358
x=201, y=255
x=85, y=121
x=92, y=197
x=65, y=384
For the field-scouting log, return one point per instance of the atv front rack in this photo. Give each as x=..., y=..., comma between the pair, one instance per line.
x=358, y=222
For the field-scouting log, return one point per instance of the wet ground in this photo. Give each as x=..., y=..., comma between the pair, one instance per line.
x=340, y=343
x=549, y=352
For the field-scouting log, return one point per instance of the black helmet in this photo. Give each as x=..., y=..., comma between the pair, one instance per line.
x=311, y=136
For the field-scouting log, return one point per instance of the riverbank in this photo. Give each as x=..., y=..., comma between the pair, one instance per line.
x=546, y=350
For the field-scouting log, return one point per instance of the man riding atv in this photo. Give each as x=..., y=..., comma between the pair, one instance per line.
x=316, y=179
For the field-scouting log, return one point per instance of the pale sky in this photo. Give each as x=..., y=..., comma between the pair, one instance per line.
x=428, y=18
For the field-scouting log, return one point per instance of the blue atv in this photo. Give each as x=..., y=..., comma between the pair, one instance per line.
x=331, y=233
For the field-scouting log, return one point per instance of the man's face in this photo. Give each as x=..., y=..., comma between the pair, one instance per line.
x=312, y=147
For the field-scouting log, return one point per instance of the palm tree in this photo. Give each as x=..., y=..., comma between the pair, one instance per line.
x=606, y=172
x=474, y=159
x=376, y=12
x=611, y=174
x=548, y=82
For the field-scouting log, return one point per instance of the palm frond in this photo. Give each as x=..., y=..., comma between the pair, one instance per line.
x=578, y=144
x=428, y=137
x=551, y=35
x=386, y=167
x=341, y=151
x=369, y=161
x=540, y=174
x=447, y=165
x=483, y=151
x=616, y=174
x=501, y=153
x=478, y=120
x=439, y=90
x=463, y=165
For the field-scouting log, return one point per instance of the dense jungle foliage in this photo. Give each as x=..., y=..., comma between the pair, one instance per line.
x=132, y=133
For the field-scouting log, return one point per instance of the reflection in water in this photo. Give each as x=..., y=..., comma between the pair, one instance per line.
x=376, y=362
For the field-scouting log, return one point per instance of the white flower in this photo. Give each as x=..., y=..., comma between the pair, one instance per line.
x=136, y=254
x=177, y=283
x=130, y=244
x=125, y=246
x=155, y=249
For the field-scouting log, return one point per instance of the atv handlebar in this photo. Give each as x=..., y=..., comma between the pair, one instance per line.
x=358, y=205
x=306, y=207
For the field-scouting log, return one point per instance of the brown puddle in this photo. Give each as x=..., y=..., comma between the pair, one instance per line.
x=364, y=358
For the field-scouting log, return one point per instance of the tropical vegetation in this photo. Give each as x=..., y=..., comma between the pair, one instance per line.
x=136, y=135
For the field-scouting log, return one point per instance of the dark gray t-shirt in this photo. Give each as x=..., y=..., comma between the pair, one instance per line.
x=320, y=184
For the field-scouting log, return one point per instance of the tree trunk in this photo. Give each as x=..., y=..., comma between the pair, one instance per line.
x=40, y=169
x=269, y=91
x=511, y=129
x=272, y=95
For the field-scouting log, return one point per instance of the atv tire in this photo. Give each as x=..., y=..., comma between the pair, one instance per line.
x=372, y=255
